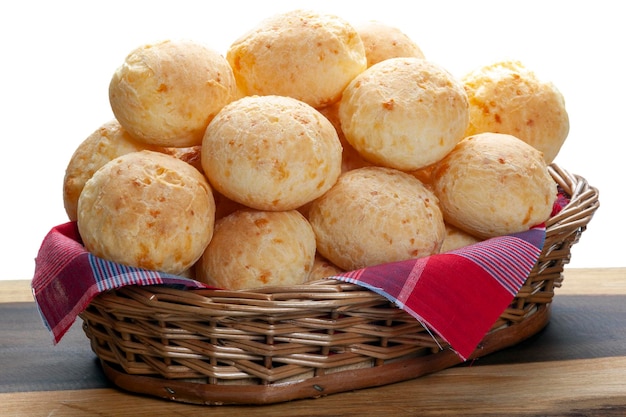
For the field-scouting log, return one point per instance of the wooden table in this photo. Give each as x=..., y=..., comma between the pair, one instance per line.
x=575, y=367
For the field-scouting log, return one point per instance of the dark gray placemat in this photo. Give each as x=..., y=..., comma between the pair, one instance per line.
x=581, y=327
x=29, y=361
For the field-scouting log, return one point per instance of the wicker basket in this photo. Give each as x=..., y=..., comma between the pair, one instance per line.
x=281, y=344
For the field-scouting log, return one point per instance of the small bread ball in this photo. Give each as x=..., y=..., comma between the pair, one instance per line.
x=404, y=113
x=506, y=97
x=148, y=210
x=254, y=249
x=323, y=268
x=375, y=215
x=106, y=143
x=494, y=184
x=302, y=54
x=456, y=238
x=166, y=93
x=383, y=41
x=271, y=153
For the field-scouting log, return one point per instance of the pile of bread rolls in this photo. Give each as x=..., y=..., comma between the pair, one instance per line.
x=310, y=148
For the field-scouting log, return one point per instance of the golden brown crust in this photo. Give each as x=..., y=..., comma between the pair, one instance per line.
x=493, y=184
x=166, y=93
x=506, y=97
x=271, y=153
x=404, y=113
x=323, y=268
x=302, y=54
x=106, y=143
x=456, y=239
x=383, y=41
x=190, y=154
x=375, y=215
x=149, y=210
x=253, y=249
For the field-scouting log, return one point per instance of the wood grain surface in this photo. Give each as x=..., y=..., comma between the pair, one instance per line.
x=574, y=367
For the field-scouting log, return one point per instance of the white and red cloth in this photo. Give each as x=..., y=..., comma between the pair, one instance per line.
x=460, y=294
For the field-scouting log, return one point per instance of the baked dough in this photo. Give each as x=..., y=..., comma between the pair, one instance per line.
x=350, y=158
x=374, y=215
x=271, y=153
x=404, y=113
x=424, y=174
x=149, y=210
x=190, y=154
x=506, y=97
x=302, y=54
x=494, y=184
x=106, y=143
x=456, y=239
x=253, y=249
x=383, y=41
x=166, y=93
x=323, y=268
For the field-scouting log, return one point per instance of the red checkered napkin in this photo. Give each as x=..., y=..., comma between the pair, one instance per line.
x=459, y=294
x=67, y=278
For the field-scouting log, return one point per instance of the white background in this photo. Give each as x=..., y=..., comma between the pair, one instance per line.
x=58, y=58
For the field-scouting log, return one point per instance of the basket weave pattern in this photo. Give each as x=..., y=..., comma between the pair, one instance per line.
x=278, y=344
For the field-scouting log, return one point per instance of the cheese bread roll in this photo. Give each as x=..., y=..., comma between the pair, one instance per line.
x=271, y=153
x=383, y=41
x=302, y=54
x=106, y=143
x=404, y=113
x=166, y=93
x=374, y=215
x=506, y=97
x=149, y=210
x=494, y=184
x=254, y=249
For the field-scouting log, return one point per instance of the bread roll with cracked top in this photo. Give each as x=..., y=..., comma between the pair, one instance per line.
x=506, y=97
x=494, y=184
x=404, y=113
x=147, y=209
x=253, y=249
x=106, y=143
x=374, y=215
x=166, y=93
x=271, y=153
x=383, y=41
x=303, y=54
